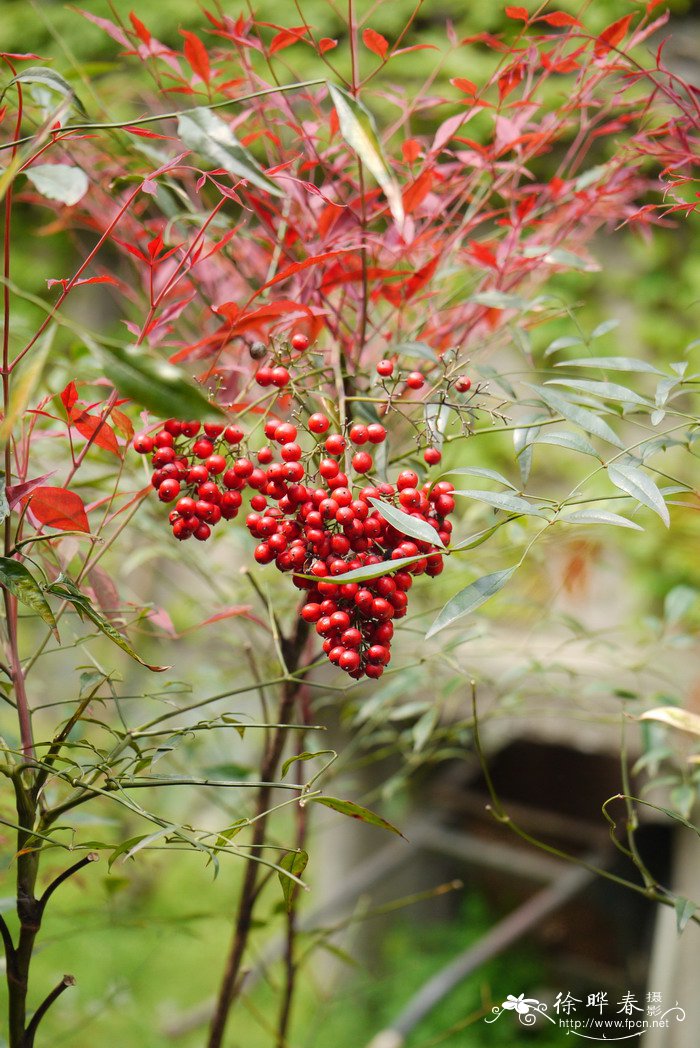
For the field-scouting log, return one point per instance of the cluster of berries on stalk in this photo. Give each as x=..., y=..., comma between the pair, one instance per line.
x=311, y=519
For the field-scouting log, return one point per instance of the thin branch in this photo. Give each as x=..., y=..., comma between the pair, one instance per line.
x=66, y=981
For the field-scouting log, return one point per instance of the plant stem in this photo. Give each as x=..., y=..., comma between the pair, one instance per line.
x=293, y=648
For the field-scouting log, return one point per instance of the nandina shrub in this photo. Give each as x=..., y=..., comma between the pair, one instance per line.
x=311, y=308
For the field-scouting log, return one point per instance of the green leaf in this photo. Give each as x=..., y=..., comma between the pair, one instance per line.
x=359, y=130
x=602, y=329
x=685, y=908
x=407, y=525
x=498, y=300
x=413, y=349
x=479, y=471
x=424, y=727
x=572, y=441
x=502, y=500
x=62, y=182
x=355, y=811
x=209, y=135
x=481, y=536
x=582, y=417
x=371, y=571
x=674, y=717
x=606, y=390
x=26, y=382
x=47, y=78
x=65, y=589
x=610, y=364
x=470, y=598
x=295, y=862
x=156, y=384
x=678, y=602
x=307, y=755
x=560, y=257
x=641, y=487
x=566, y=342
x=598, y=516
x=16, y=578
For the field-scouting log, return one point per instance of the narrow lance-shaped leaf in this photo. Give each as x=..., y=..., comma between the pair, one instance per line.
x=356, y=811
x=47, y=78
x=502, y=500
x=211, y=137
x=572, y=441
x=26, y=382
x=295, y=862
x=641, y=487
x=480, y=471
x=470, y=598
x=609, y=364
x=359, y=131
x=371, y=571
x=674, y=717
x=66, y=589
x=587, y=420
x=605, y=390
x=598, y=516
x=155, y=384
x=16, y=578
x=406, y=524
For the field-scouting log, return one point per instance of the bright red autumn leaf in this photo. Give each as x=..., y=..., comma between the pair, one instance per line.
x=560, y=18
x=468, y=86
x=517, y=12
x=376, y=43
x=612, y=36
x=58, y=508
x=196, y=55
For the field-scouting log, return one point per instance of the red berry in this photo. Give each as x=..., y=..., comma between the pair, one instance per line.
x=463, y=385
x=213, y=429
x=291, y=452
x=216, y=464
x=168, y=490
x=263, y=376
x=318, y=423
x=143, y=444
x=300, y=341
x=181, y=530
x=335, y=444
x=328, y=468
x=202, y=448
x=233, y=434
x=349, y=660
x=263, y=554
x=432, y=456
x=415, y=380
x=164, y=439
x=243, y=467
x=271, y=427
x=197, y=474
x=376, y=433
x=163, y=456
x=202, y=532
x=189, y=429
x=280, y=377
x=385, y=368
x=285, y=433
x=358, y=433
x=362, y=462
x=407, y=478
x=264, y=456
x=311, y=612
x=173, y=426
x=185, y=506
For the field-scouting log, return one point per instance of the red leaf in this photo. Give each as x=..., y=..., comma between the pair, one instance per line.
x=143, y=133
x=58, y=508
x=482, y=253
x=196, y=55
x=122, y=423
x=414, y=47
x=517, y=12
x=69, y=397
x=77, y=283
x=411, y=150
x=140, y=29
x=285, y=38
x=509, y=79
x=326, y=44
x=375, y=42
x=416, y=193
x=296, y=267
x=560, y=18
x=468, y=86
x=16, y=492
x=96, y=430
x=612, y=36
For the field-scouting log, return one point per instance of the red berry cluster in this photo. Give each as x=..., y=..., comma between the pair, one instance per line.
x=309, y=520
